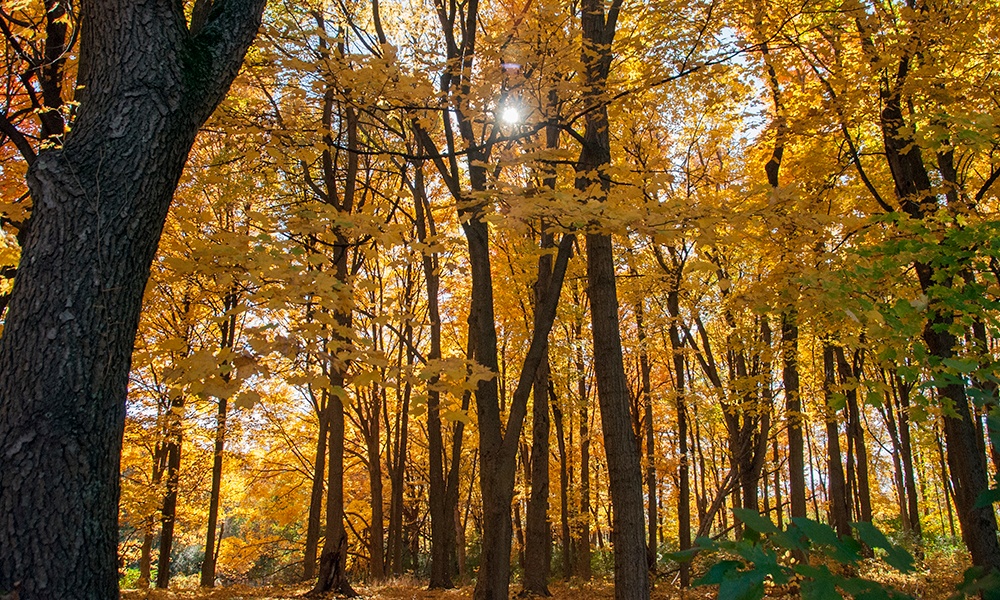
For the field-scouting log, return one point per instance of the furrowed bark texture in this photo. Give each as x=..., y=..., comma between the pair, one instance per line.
x=621, y=445
x=99, y=204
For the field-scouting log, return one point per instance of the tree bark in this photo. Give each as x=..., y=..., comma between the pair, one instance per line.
x=168, y=511
x=538, y=534
x=397, y=469
x=683, y=476
x=793, y=413
x=99, y=203
x=316, y=493
x=538, y=543
x=228, y=335
x=624, y=469
x=441, y=520
x=838, y=504
x=621, y=445
x=647, y=420
x=850, y=376
x=582, y=554
x=373, y=438
x=565, y=534
x=333, y=560
x=498, y=449
x=903, y=410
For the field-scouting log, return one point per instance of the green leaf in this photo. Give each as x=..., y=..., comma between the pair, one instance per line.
x=683, y=556
x=976, y=581
x=897, y=557
x=748, y=585
x=818, y=533
x=755, y=521
x=845, y=550
x=718, y=572
x=962, y=366
x=815, y=589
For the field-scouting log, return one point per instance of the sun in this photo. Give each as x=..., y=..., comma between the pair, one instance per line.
x=510, y=115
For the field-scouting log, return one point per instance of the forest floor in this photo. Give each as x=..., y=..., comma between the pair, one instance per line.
x=934, y=580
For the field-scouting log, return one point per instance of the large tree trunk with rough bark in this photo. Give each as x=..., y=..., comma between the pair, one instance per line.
x=146, y=85
x=620, y=443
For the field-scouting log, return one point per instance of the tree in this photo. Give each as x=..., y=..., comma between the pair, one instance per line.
x=620, y=441
x=148, y=80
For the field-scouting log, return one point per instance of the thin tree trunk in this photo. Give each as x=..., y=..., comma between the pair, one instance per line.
x=793, y=413
x=168, y=510
x=903, y=410
x=333, y=560
x=440, y=519
x=316, y=493
x=680, y=405
x=565, y=539
x=398, y=467
x=376, y=526
x=145, y=557
x=838, y=507
x=228, y=340
x=888, y=410
x=582, y=553
x=647, y=405
x=850, y=376
x=538, y=535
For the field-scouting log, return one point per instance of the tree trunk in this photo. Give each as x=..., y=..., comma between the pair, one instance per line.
x=208, y=564
x=903, y=410
x=441, y=520
x=146, y=84
x=683, y=477
x=582, y=553
x=565, y=535
x=647, y=406
x=621, y=445
x=333, y=560
x=397, y=469
x=316, y=493
x=376, y=526
x=168, y=511
x=793, y=413
x=498, y=448
x=146, y=558
x=538, y=534
x=839, y=508
x=228, y=341
x=888, y=410
x=624, y=469
x=850, y=375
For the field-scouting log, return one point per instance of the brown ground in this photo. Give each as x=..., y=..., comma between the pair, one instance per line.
x=934, y=580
